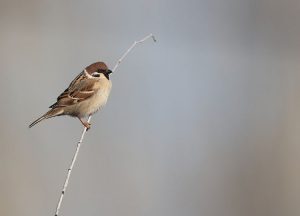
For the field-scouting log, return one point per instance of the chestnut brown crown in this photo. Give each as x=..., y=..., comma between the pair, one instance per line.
x=97, y=66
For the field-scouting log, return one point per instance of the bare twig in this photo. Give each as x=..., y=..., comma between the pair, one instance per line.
x=130, y=48
x=89, y=119
x=70, y=170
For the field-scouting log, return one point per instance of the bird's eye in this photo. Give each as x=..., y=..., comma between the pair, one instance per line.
x=96, y=74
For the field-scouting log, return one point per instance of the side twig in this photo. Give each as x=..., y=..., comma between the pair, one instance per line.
x=89, y=119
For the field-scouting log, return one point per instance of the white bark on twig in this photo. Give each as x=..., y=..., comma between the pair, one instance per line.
x=130, y=48
x=89, y=119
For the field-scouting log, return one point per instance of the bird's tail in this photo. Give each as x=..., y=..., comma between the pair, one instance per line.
x=49, y=114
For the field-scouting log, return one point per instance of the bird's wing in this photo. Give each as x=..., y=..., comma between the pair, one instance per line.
x=80, y=89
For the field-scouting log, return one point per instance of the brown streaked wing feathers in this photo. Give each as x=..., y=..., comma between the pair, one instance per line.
x=79, y=90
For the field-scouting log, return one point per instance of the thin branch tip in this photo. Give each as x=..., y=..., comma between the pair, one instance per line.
x=153, y=37
x=135, y=43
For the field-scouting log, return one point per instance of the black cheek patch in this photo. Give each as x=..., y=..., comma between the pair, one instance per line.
x=95, y=74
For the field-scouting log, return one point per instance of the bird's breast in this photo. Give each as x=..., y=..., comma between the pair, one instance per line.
x=95, y=102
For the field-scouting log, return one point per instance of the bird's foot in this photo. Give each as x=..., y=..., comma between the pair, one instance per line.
x=87, y=125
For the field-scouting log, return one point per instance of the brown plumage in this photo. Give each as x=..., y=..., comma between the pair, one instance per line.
x=86, y=94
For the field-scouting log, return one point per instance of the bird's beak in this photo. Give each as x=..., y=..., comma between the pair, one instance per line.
x=109, y=71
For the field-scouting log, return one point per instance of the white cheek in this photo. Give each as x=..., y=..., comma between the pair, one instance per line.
x=102, y=77
x=96, y=74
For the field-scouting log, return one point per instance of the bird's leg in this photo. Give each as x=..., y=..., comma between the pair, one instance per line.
x=85, y=124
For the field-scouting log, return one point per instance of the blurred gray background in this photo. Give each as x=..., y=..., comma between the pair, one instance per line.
x=204, y=122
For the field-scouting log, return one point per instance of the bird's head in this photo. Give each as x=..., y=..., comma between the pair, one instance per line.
x=98, y=68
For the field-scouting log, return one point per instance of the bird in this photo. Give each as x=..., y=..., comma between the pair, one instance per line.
x=85, y=95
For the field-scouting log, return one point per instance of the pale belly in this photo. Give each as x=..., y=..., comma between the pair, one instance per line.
x=90, y=105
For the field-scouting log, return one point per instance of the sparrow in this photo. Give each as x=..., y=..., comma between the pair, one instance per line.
x=86, y=94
